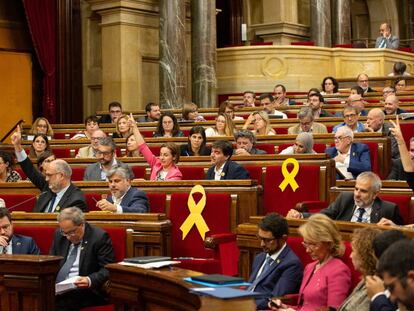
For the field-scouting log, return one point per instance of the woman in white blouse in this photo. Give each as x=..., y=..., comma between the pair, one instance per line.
x=224, y=126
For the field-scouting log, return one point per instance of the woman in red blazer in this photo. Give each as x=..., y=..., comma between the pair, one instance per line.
x=326, y=281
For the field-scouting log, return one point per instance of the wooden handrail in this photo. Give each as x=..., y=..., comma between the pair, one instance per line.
x=12, y=130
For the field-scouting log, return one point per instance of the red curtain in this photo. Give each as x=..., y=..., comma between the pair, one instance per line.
x=41, y=18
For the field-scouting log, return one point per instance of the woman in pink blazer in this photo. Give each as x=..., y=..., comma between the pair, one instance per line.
x=164, y=167
x=326, y=281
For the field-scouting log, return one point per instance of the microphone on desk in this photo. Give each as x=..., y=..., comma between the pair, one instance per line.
x=25, y=201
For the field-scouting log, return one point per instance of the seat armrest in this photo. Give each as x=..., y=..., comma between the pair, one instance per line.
x=214, y=240
x=311, y=206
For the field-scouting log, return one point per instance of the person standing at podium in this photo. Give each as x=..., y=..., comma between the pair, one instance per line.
x=14, y=243
x=86, y=250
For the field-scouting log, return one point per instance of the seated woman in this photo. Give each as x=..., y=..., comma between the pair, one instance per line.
x=91, y=125
x=364, y=261
x=400, y=84
x=303, y=145
x=228, y=108
x=122, y=128
x=190, y=113
x=326, y=281
x=261, y=123
x=40, y=126
x=132, y=147
x=44, y=160
x=224, y=126
x=330, y=86
x=168, y=126
x=7, y=174
x=164, y=167
x=196, y=145
x=40, y=144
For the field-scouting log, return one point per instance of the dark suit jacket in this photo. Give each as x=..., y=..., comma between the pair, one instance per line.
x=283, y=277
x=343, y=209
x=134, y=201
x=106, y=118
x=96, y=252
x=382, y=303
x=395, y=153
x=231, y=170
x=22, y=244
x=359, y=161
x=72, y=197
x=397, y=171
x=93, y=171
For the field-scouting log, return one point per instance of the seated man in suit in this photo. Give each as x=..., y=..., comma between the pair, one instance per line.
x=123, y=198
x=276, y=271
x=363, y=83
x=392, y=105
x=351, y=158
x=307, y=124
x=397, y=170
x=386, y=40
x=14, y=243
x=363, y=205
x=115, y=111
x=90, y=151
x=223, y=168
x=105, y=153
x=153, y=113
x=245, y=143
x=58, y=192
x=351, y=120
x=86, y=250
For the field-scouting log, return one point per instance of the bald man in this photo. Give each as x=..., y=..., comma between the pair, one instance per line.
x=375, y=124
x=392, y=105
x=386, y=40
x=57, y=190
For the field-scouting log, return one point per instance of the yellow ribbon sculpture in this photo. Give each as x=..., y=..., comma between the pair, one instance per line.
x=195, y=217
x=289, y=176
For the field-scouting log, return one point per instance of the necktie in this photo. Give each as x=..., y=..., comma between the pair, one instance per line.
x=266, y=267
x=361, y=213
x=51, y=203
x=64, y=271
x=4, y=251
x=382, y=44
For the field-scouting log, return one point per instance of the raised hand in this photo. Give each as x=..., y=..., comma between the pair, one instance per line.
x=16, y=139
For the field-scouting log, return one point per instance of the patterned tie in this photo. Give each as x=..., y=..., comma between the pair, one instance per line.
x=382, y=44
x=51, y=203
x=70, y=260
x=361, y=213
x=266, y=267
x=4, y=251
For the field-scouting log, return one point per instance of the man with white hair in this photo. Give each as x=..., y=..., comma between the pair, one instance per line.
x=90, y=151
x=58, y=192
x=351, y=158
x=363, y=205
x=355, y=100
x=363, y=83
x=392, y=105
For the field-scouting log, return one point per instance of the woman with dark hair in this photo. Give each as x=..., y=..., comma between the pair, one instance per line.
x=329, y=86
x=91, y=125
x=400, y=84
x=163, y=167
x=168, y=126
x=44, y=160
x=7, y=174
x=40, y=144
x=196, y=145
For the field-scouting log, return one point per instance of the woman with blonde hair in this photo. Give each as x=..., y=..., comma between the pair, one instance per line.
x=327, y=280
x=123, y=130
x=364, y=260
x=261, y=123
x=41, y=126
x=224, y=126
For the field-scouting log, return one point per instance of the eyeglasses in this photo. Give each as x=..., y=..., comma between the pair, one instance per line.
x=69, y=233
x=352, y=115
x=340, y=138
x=104, y=153
x=265, y=240
x=309, y=245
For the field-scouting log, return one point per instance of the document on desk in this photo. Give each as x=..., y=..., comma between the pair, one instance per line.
x=151, y=265
x=224, y=292
x=65, y=285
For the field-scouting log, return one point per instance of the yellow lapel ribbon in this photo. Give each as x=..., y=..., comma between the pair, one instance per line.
x=195, y=217
x=289, y=176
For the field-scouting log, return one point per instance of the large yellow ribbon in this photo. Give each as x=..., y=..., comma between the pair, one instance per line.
x=195, y=216
x=289, y=176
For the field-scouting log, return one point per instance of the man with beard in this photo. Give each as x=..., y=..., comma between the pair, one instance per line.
x=276, y=271
x=123, y=198
x=105, y=153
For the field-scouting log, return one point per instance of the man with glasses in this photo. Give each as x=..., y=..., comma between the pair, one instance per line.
x=57, y=190
x=351, y=158
x=363, y=83
x=307, y=124
x=105, y=153
x=363, y=205
x=276, y=271
x=388, y=90
x=115, y=111
x=86, y=250
x=11, y=243
x=351, y=116
x=90, y=151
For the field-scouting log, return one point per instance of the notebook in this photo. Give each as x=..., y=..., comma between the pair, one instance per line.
x=218, y=279
x=224, y=292
x=146, y=259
